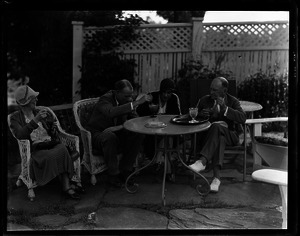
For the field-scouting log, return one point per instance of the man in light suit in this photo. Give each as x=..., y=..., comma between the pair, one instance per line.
x=108, y=134
x=225, y=114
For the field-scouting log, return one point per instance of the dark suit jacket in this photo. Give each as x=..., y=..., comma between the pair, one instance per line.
x=172, y=107
x=235, y=113
x=107, y=113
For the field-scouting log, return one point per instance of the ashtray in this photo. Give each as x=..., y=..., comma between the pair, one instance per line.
x=155, y=124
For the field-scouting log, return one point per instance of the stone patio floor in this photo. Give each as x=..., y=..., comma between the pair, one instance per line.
x=238, y=205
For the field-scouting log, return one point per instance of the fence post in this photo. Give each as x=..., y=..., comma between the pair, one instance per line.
x=197, y=37
x=77, y=58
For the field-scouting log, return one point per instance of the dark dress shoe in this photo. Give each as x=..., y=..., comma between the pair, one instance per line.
x=79, y=189
x=76, y=187
x=71, y=194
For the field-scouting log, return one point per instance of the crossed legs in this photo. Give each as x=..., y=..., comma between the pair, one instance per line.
x=216, y=138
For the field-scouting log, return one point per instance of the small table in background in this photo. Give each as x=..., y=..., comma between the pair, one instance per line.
x=137, y=125
x=250, y=107
x=278, y=177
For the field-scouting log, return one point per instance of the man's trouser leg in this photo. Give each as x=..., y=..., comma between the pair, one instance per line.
x=131, y=145
x=217, y=138
x=108, y=141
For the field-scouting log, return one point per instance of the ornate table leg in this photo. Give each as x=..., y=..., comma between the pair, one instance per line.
x=163, y=195
x=198, y=188
x=135, y=187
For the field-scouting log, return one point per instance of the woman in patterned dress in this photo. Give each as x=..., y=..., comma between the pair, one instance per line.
x=49, y=158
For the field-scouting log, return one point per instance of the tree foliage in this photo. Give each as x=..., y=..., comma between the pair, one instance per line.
x=180, y=16
x=41, y=44
x=103, y=61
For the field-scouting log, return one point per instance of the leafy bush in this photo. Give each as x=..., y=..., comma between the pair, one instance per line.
x=104, y=62
x=195, y=69
x=272, y=141
x=271, y=91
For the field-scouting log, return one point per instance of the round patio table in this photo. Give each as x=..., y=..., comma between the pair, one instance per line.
x=250, y=107
x=139, y=124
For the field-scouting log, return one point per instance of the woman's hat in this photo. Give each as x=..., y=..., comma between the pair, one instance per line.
x=167, y=84
x=24, y=94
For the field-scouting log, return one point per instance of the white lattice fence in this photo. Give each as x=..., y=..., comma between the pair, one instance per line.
x=247, y=47
x=245, y=63
x=162, y=49
x=153, y=38
x=159, y=52
x=152, y=68
x=246, y=36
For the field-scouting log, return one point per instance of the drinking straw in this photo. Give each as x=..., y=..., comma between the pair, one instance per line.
x=198, y=102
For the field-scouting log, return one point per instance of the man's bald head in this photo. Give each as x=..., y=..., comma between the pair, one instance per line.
x=218, y=87
x=222, y=80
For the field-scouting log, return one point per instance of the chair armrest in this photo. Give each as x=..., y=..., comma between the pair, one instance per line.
x=272, y=176
x=266, y=120
x=257, y=123
x=24, y=148
x=86, y=138
x=69, y=140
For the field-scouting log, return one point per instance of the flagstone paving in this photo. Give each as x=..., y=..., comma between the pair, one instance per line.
x=238, y=205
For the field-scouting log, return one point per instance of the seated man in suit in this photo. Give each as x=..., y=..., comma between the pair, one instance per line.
x=225, y=114
x=108, y=134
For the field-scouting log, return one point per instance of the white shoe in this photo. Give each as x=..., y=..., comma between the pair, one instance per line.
x=215, y=184
x=197, y=166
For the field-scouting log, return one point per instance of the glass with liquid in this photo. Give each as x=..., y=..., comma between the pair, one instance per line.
x=193, y=111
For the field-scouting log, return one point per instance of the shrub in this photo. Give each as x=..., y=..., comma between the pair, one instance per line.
x=271, y=91
x=103, y=60
x=195, y=69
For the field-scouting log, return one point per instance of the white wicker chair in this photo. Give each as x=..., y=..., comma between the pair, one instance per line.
x=69, y=140
x=94, y=163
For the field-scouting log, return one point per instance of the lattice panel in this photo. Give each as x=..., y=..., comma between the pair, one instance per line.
x=158, y=39
x=246, y=35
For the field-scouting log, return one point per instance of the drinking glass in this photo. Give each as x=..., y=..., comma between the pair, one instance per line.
x=153, y=109
x=193, y=111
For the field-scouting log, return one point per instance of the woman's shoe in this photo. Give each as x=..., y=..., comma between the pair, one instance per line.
x=78, y=189
x=70, y=195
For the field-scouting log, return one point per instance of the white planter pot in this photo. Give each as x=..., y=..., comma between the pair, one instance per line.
x=275, y=156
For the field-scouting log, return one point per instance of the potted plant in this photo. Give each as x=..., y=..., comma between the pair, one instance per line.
x=270, y=148
x=273, y=150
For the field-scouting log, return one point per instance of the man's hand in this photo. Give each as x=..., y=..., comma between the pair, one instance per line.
x=40, y=115
x=221, y=102
x=145, y=98
x=205, y=112
x=55, y=124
